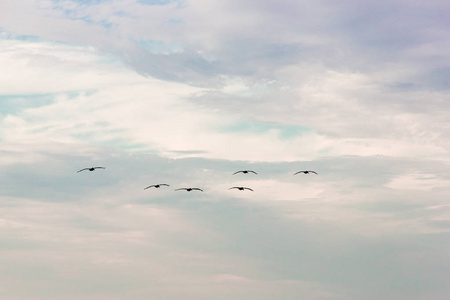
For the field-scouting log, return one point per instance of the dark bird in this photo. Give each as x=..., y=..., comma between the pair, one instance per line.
x=305, y=172
x=90, y=169
x=245, y=172
x=156, y=185
x=241, y=188
x=190, y=189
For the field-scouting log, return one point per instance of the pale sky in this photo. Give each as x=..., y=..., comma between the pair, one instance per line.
x=187, y=93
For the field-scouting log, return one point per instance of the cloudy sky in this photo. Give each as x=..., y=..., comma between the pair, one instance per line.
x=187, y=92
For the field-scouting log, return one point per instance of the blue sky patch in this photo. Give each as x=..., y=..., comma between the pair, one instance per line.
x=20, y=37
x=156, y=2
x=285, y=131
x=14, y=104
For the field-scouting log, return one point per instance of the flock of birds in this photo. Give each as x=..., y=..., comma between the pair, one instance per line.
x=189, y=189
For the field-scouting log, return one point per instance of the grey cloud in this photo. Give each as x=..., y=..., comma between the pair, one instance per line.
x=349, y=254
x=186, y=67
x=319, y=252
x=437, y=79
x=348, y=35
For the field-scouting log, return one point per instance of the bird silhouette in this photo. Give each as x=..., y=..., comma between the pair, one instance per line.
x=245, y=172
x=189, y=189
x=90, y=169
x=241, y=188
x=156, y=185
x=305, y=172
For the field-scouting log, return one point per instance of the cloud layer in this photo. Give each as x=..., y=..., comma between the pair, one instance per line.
x=187, y=93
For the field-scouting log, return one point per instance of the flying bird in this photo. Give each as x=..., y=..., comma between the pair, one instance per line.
x=190, y=189
x=305, y=172
x=241, y=188
x=245, y=172
x=90, y=169
x=156, y=185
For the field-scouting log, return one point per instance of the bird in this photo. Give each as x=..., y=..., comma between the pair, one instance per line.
x=190, y=189
x=91, y=169
x=305, y=172
x=156, y=185
x=241, y=188
x=245, y=172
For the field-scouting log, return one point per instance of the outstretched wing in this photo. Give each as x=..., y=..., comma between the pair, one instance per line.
x=241, y=188
x=197, y=189
x=181, y=189
x=83, y=170
x=238, y=172
x=156, y=185
x=252, y=171
x=299, y=172
x=313, y=172
x=99, y=168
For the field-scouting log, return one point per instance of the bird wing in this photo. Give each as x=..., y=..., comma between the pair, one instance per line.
x=234, y=187
x=99, y=168
x=149, y=186
x=181, y=189
x=252, y=171
x=313, y=172
x=83, y=170
x=299, y=172
x=164, y=184
x=248, y=189
x=237, y=172
x=197, y=189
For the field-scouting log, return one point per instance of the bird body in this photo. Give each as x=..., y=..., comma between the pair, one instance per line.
x=189, y=189
x=90, y=169
x=245, y=172
x=156, y=185
x=305, y=172
x=241, y=188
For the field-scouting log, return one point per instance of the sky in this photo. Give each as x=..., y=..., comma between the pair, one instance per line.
x=186, y=93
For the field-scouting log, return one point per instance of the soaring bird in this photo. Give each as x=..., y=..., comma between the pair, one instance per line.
x=90, y=169
x=245, y=172
x=305, y=172
x=156, y=185
x=190, y=189
x=241, y=188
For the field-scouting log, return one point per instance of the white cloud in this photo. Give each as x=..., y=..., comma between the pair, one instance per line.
x=42, y=68
x=125, y=109
x=418, y=181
